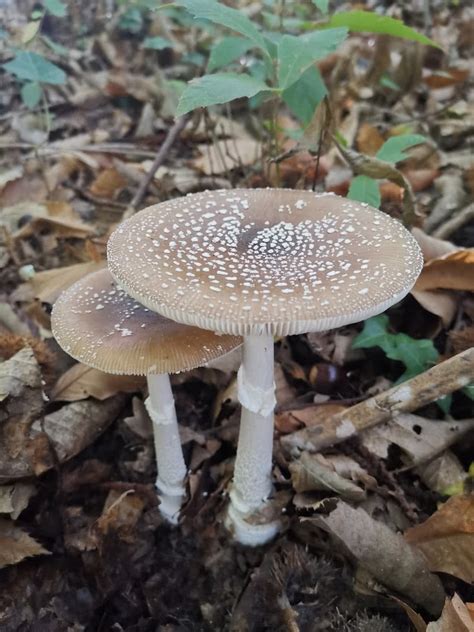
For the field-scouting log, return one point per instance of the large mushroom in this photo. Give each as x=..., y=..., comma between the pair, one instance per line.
x=260, y=263
x=97, y=323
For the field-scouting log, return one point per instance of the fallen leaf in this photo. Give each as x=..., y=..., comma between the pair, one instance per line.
x=309, y=416
x=16, y=544
x=14, y=498
x=312, y=472
x=446, y=539
x=419, y=438
x=442, y=473
x=224, y=155
x=48, y=285
x=58, y=216
x=421, y=179
x=69, y=430
x=369, y=140
x=432, y=247
x=440, y=303
x=454, y=618
x=22, y=404
x=18, y=373
x=384, y=554
x=120, y=514
x=462, y=339
x=450, y=77
x=454, y=271
x=82, y=381
x=108, y=184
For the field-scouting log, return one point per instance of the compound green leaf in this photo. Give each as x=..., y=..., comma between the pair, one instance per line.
x=297, y=54
x=31, y=94
x=33, y=67
x=226, y=51
x=226, y=16
x=365, y=189
x=55, y=7
x=218, y=88
x=368, y=22
x=393, y=149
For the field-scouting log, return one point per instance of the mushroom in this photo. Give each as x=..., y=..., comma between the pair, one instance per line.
x=98, y=324
x=260, y=263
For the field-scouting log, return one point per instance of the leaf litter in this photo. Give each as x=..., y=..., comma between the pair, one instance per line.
x=76, y=451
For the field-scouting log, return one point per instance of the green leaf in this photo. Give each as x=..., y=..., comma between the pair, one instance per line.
x=226, y=51
x=469, y=391
x=393, y=149
x=55, y=7
x=156, y=43
x=365, y=189
x=218, y=88
x=386, y=82
x=33, y=67
x=445, y=403
x=30, y=31
x=374, y=334
x=59, y=49
x=131, y=20
x=225, y=16
x=416, y=355
x=31, y=94
x=297, y=54
x=368, y=22
x=304, y=96
x=322, y=5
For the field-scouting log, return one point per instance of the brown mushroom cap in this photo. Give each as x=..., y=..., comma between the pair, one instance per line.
x=264, y=260
x=98, y=324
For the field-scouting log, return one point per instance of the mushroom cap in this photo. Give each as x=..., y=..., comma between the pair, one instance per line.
x=97, y=323
x=275, y=261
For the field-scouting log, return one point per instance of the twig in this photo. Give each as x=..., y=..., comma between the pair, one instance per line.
x=440, y=380
x=160, y=157
x=457, y=221
x=105, y=148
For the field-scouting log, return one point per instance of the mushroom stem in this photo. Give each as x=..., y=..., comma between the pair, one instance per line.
x=169, y=454
x=252, y=483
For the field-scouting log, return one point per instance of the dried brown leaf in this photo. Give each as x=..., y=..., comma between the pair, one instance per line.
x=454, y=271
x=454, y=618
x=224, y=155
x=63, y=434
x=441, y=303
x=14, y=498
x=108, y=184
x=446, y=539
x=16, y=544
x=82, y=381
x=121, y=513
x=369, y=140
x=419, y=438
x=432, y=247
x=312, y=472
x=385, y=555
x=48, y=285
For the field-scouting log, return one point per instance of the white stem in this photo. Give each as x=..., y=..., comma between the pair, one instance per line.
x=253, y=466
x=169, y=454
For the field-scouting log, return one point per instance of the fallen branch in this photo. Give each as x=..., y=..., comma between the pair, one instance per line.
x=160, y=157
x=440, y=380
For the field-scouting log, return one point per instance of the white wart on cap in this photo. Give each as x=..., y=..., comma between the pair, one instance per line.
x=98, y=324
x=274, y=261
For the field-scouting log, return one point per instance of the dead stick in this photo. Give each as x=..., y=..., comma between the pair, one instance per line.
x=440, y=380
x=160, y=157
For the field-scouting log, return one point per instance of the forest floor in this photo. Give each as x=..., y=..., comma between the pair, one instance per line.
x=378, y=530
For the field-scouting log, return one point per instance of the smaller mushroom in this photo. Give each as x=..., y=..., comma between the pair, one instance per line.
x=97, y=323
